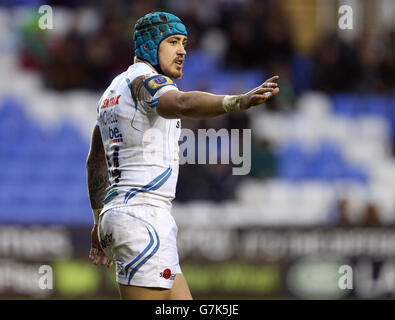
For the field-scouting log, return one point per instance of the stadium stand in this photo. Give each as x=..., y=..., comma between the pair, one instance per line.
x=327, y=146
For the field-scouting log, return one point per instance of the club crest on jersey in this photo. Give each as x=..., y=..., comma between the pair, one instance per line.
x=153, y=84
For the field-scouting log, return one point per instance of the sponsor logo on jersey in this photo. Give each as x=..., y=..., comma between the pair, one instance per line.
x=110, y=102
x=116, y=140
x=159, y=81
x=166, y=274
x=153, y=84
x=112, y=134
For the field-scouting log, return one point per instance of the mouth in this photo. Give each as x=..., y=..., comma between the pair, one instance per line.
x=179, y=62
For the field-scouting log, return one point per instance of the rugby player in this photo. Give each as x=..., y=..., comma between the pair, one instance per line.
x=132, y=166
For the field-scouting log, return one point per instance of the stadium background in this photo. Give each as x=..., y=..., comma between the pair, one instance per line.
x=321, y=190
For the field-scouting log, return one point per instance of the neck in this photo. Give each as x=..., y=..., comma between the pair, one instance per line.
x=136, y=60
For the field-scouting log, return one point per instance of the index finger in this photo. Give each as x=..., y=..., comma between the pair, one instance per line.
x=274, y=78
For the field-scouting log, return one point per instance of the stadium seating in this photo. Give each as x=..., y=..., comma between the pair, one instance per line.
x=327, y=143
x=42, y=173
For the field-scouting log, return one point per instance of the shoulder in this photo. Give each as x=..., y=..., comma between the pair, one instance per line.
x=153, y=81
x=136, y=75
x=139, y=69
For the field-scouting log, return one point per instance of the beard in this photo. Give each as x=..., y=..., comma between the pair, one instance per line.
x=175, y=73
x=172, y=71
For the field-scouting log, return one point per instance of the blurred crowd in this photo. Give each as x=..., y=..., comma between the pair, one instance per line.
x=240, y=35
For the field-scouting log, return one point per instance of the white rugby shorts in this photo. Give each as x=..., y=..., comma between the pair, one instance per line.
x=141, y=241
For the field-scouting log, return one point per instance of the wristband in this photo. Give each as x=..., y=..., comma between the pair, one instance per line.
x=96, y=213
x=231, y=103
x=268, y=95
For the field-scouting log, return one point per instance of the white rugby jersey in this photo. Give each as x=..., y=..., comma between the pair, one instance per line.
x=141, y=147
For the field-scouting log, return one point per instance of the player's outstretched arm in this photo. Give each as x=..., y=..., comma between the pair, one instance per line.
x=202, y=105
x=97, y=176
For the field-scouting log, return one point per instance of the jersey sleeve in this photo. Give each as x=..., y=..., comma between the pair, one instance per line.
x=149, y=89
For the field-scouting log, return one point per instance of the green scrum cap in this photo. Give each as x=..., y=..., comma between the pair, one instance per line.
x=149, y=32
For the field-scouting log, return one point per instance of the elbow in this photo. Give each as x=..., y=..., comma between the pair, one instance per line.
x=183, y=106
x=90, y=161
x=173, y=105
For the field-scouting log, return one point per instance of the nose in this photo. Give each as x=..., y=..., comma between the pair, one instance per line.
x=181, y=50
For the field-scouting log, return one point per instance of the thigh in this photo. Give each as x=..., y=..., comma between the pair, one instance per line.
x=179, y=291
x=142, y=243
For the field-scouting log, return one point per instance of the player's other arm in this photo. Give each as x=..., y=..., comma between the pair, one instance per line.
x=97, y=173
x=202, y=105
x=98, y=182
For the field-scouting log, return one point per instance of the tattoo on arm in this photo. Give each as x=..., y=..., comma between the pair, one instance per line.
x=97, y=172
